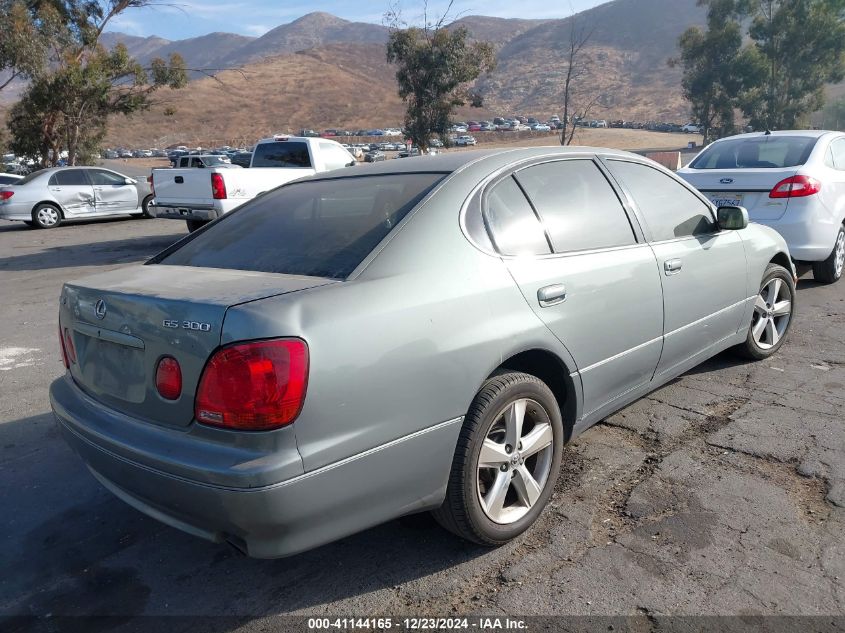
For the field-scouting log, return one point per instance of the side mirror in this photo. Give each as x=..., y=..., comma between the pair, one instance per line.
x=732, y=218
x=128, y=181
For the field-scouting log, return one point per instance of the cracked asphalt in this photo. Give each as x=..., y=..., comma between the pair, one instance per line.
x=722, y=493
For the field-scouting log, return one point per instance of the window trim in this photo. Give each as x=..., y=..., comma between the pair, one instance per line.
x=486, y=222
x=645, y=226
x=473, y=204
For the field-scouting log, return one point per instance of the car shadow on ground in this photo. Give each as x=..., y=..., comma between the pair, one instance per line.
x=102, y=253
x=77, y=550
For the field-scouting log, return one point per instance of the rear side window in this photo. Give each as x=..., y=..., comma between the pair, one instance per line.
x=282, y=154
x=759, y=152
x=579, y=208
x=69, y=177
x=671, y=210
x=837, y=151
x=511, y=222
x=321, y=228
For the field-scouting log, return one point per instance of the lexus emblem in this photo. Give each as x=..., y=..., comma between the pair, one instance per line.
x=726, y=181
x=100, y=309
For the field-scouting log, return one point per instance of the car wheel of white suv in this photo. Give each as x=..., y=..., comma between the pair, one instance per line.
x=830, y=270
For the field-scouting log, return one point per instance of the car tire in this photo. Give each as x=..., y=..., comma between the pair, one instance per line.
x=830, y=270
x=145, y=207
x=491, y=505
x=195, y=225
x=46, y=216
x=770, y=323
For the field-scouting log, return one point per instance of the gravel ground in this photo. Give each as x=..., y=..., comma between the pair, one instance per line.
x=722, y=493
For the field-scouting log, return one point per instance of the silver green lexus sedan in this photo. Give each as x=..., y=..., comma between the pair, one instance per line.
x=415, y=335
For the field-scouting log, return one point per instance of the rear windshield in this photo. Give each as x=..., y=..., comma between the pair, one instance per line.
x=321, y=228
x=281, y=154
x=762, y=152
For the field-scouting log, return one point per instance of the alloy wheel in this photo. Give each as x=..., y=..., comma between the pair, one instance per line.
x=772, y=312
x=839, y=256
x=515, y=461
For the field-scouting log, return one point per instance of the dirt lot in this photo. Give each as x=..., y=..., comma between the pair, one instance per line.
x=723, y=493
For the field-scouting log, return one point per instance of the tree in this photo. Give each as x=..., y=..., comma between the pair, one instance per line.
x=712, y=68
x=577, y=65
x=797, y=47
x=23, y=53
x=67, y=107
x=436, y=65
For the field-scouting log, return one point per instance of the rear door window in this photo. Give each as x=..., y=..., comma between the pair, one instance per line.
x=577, y=205
x=69, y=177
x=758, y=152
x=282, y=154
x=320, y=228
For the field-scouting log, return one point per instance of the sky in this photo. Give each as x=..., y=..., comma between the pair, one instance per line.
x=180, y=19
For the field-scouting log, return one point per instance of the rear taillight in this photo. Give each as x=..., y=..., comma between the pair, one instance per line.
x=5, y=195
x=64, y=351
x=253, y=386
x=169, y=378
x=69, y=349
x=152, y=184
x=218, y=187
x=796, y=187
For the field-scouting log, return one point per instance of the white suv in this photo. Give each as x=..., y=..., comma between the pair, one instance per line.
x=792, y=181
x=465, y=140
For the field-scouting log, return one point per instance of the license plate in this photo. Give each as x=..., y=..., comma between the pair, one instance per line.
x=726, y=199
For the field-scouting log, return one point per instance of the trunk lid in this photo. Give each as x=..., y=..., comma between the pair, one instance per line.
x=747, y=188
x=123, y=322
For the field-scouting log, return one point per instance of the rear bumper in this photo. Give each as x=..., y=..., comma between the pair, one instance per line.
x=16, y=211
x=282, y=518
x=808, y=227
x=183, y=213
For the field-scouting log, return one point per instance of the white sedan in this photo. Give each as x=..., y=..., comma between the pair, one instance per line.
x=792, y=181
x=463, y=141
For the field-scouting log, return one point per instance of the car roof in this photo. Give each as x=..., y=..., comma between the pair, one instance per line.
x=804, y=133
x=454, y=161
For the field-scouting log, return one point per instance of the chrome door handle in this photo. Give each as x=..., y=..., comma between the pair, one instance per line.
x=673, y=266
x=551, y=295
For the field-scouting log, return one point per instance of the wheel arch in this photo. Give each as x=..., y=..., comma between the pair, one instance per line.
x=52, y=203
x=782, y=259
x=554, y=372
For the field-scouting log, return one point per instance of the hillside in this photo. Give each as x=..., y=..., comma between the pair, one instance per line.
x=322, y=71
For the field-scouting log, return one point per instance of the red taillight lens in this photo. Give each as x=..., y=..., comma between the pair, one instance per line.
x=796, y=187
x=254, y=386
x=5, y=195
x=218, y=187
x=70, y=350
x=64, y=351
x=152, y=184
x=169, y=378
